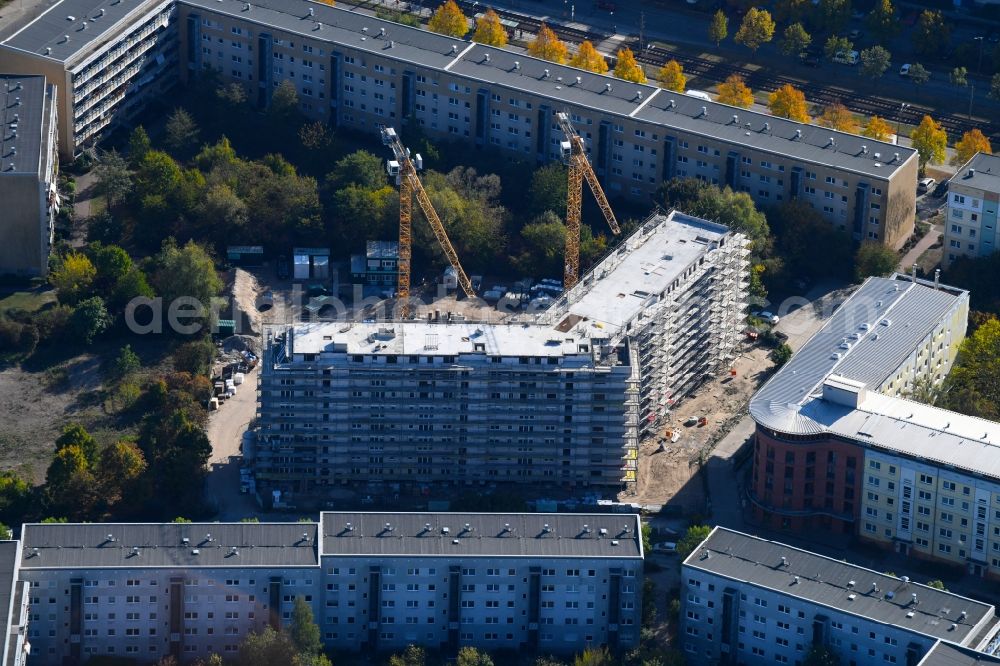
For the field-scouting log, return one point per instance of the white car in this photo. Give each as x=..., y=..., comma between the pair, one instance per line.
x=769, y=317
x=924, y=185
x=667, y=548
x=904, y=70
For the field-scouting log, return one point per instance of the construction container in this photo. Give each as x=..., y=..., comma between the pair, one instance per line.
x=213, y=404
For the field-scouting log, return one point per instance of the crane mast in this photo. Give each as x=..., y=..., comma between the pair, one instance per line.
x=405, y=171
x=575, y=154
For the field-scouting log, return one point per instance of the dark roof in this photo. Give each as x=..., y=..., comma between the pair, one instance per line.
x=947, y=654
x=986, y=176
x=25, y=104
x=488, y=534
x=82, y=546
x=50, y=29
x=837, y=584
x=8, y=564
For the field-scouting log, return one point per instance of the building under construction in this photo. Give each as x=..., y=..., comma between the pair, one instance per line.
x=561, y=398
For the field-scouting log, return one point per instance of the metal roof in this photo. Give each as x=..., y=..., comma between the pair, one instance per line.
x=869, y=336
x=948, y=654
x=546, y=535
x=839, y=585
x=986, y=174
x=8, y=568
x=71, y=27
x=162, y=545
x=25, y=105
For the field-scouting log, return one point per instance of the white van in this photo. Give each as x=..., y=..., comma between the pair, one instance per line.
x=700, y=94
x=846, y=57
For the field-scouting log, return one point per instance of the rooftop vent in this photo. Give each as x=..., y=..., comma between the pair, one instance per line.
x=672, y=104
x=305, y=536
x=517, y=64
x=135, y=551
x=486, y=57
x=874, y=588
x=614, y=542
x=798, y=134
x=454, y=48
x=638, y=94
x=909, y=614
x=878, y=155
x=48, y=50
x=388, y=527
x=312, y=12
x=767, y=127
x=234, y=551
x=349, y=527
x=546, y=529
x=850, y=583
x=65, y=38
x=736, y=119
x=579, y=80
x=962, y=615
x=70, y=18
x=185, y=541
x=831, y=142
x=784, y=561
x=913, y=599
x=795, y=580
x=110, y=538
x=905, y=579
x=445, y=530
x=607, y=87
x=852, y=596
x=704, y=110
x=864, y=150
x=195, y=551
x=895, y=157
x=545, y=73
x=972, y=172
x=246, y=7
x=381, y=32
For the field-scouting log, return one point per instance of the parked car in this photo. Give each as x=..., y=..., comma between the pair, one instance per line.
x=809, y=59
x=666, y=548
x=925, y=184
x=846, y=57
x=769, y=317
x=904, y=70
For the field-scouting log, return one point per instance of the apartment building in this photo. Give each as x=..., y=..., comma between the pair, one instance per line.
x=361, y=72
x=970, y=228
x=561, y=398
x=747, y=600
x=28, y=167
x=13, y=606
x=551, y=582
x=379, y=265
x=106, y=58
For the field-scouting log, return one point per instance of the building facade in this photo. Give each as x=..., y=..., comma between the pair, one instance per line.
x=379, y=265
x=970, y=228
x=377, y=582
x=28, y=170
x=746, y=600
x=360, y=72
x=562, y=398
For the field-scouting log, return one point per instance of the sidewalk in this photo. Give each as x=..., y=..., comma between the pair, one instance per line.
x=932, y=237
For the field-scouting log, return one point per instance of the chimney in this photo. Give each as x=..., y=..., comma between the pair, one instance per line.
x=913, y=272
x=937, y=278
x=972, y=172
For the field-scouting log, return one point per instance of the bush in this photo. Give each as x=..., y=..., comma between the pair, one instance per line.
x=195, y=357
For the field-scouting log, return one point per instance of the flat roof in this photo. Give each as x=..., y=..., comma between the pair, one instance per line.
x=985, y=174
x=839, y=585
x=84, y=22
x=555, y=535
x=382, y=249
x=618, y=288
x=949, y=654
x=8, y=567
x=25, y=104
x=161, y=545
x=881, y=324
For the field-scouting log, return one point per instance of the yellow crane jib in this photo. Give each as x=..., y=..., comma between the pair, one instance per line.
x=575, y=155
x=405, y=170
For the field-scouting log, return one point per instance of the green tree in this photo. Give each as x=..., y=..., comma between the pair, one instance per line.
x=781, y=354
x=285, y=100
x=545, y=242
x=195, y=357
x=932, y=34
x=489, y=30
x=958, y=77
x=995, y=87
x=138, y=145
x=16, y=498
x=627, y=68
x=413, y=655
x=718, y=29
x=315, y=135
x=186, y=271
x=359, y=168
x=791, y=11
x=820, y=655
x=114, y=179
x=470, y=656
x=833, y=15
x=588, y=58
x=874, y=259
x=795, y=39
x=176, y=449
x=972, y=142
x=69, y=485
x=930, y=140
x=268, y=648
x=119, y=471
x=919, y=74
x=90, y=319
x=671, y=76
x=548, y=189
x=594, y=656
x=232, y=95
x=808, y=245
x=73, y=277
x=692, y=539
x=937, y=585
x=835, y=45
x=883, y=20
x=126, y=363
x=448, y=19
x=756, y=30
x=181, y=131
x=874, y=61
x=112, y=264
x=972, y=387
x=304, y=632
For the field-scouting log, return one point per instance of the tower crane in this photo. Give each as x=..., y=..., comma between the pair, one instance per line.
x=405, y=171
x=575, y=155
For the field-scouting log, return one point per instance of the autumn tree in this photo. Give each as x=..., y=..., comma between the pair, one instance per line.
x=756, y=30
x=932, y=34
x=883, y=20
x=874, y=61
x=878, y=129
x=839, y=117
x=547, y=46
x=734, y=91
x=448, y=19
x=588, y=58
x=72, y=277
x=930, y=140
x=972, y=142
x=718, y=29
x=795, y=39
x=470, y=656
x=788, y=102
x=672, y=77
x=627, y=68
x=489, y=30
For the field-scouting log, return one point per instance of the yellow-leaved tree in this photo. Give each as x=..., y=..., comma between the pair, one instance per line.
x=672, y=76
x=839, y=117
x=734, y=92
x=588, y=58
x=448, y=19
x=878, y=129
x=972, y=142
x=489, y=30
x=930, y=140
x=788, y=102
x=627, y=68
x=547, y=46
x=72, y=277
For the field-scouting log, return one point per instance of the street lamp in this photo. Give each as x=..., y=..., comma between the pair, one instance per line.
x=979, y=66
x=899, y=119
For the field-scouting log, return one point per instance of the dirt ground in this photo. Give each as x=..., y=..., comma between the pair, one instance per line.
x=670, y=475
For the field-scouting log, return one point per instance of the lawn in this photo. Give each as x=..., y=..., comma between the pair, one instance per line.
x=28, y=300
